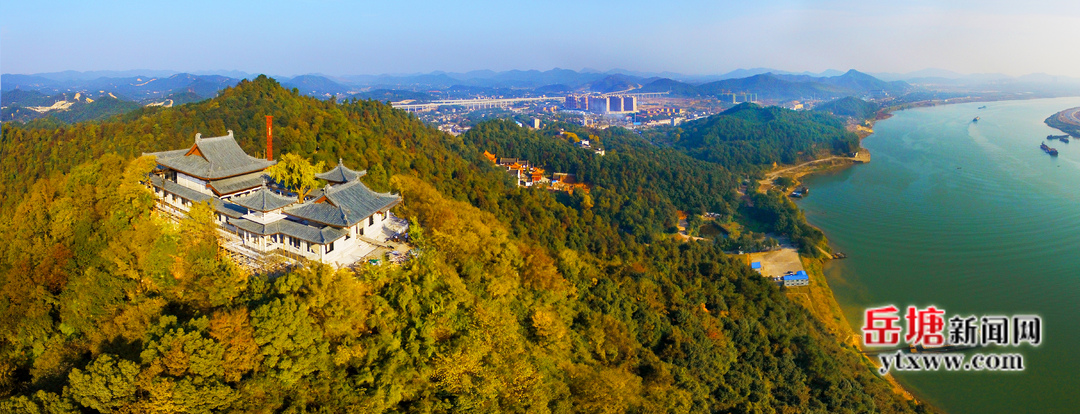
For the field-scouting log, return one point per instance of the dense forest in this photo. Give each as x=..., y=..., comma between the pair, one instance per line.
x=519, y=300
x=640, y=184
x=850, y=107
x=748, y=137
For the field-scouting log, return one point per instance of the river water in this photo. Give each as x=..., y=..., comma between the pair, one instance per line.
x=972, y=218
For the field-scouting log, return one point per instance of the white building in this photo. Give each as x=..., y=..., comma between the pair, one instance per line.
x=615, y=104
x=336, y=224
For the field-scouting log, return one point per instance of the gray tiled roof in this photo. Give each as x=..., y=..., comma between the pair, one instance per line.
x=238, y=183
x=341, y=174
x=263, y=200
x=345, y=204
x=226, y=208
x=310, y=234
x=223, y=158
x=169, y=154
x=321, y=213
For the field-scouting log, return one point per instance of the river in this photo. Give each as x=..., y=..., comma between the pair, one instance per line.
x=972, y=218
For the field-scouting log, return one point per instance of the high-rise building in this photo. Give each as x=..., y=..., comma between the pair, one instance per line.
x=615, y=104
x=580, y=103
x=603, y=105
x=598, y=104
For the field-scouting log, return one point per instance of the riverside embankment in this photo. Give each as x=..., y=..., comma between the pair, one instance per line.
x=970, y=218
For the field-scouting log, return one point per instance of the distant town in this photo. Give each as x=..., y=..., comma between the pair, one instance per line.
x=454, y=102
x=633, y=110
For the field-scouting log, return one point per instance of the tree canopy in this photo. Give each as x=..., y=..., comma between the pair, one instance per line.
x=748, y=137
x=851, y=107
x=296, y=172
x=518, y=301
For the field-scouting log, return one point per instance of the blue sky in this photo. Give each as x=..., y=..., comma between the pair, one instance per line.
x=338, y=37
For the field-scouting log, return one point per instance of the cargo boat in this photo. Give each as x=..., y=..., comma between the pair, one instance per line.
x=1049, y=150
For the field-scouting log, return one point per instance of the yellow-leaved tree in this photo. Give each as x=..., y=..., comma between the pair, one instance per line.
x=296, y=172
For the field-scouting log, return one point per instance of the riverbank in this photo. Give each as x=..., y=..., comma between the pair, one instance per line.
x=945, y=216
x=1067, y=121
x=818, y=297
x=795, y=172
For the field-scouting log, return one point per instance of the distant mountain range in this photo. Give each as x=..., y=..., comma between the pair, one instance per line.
x=786, y=86
x=155, y=84
x=78, y=96
x=142, y=89
x=69, y=94
x=315, y=85
x=157, y=87
x=68, y=107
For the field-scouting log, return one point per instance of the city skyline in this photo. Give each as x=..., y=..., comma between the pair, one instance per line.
x=694, y=38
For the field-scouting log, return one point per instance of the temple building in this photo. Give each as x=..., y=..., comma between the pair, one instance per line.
x=339, y=223
x=340, y=174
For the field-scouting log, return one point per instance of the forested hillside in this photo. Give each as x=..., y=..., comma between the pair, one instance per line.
x=74, y=108
x=634, y=175
x=520, y=300
x=851, y=107
x=749, y=137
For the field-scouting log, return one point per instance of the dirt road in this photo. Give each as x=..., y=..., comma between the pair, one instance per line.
x=796, y=171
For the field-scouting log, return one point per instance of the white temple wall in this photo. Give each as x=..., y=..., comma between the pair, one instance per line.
x=192, y=183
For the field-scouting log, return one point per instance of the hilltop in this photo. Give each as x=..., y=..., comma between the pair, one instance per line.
x=850, y=107
x=780, y=136
x=24, y=106
x=521, y=300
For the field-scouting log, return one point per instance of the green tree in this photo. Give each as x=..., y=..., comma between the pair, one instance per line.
x=291, y=343
x=784, y=181
x=108, y=384
x=693, y=224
